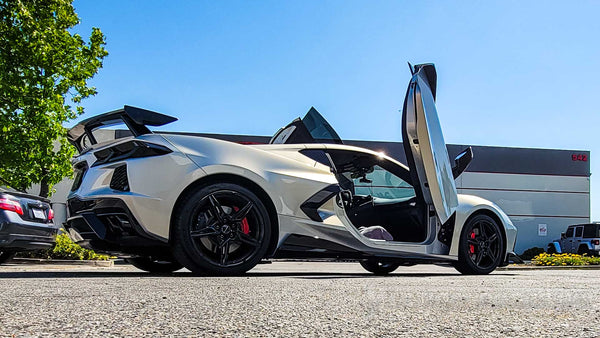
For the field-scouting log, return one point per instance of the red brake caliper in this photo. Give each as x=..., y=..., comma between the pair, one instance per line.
x=471, y=246
x=245, y=225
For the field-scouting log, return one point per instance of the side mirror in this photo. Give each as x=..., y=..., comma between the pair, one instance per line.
x=462, y=161
x=563, y=235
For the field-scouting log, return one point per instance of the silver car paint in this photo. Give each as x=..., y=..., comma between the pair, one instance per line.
x=288, y=177
x=429, y=149
x=155, y=186
x=467, y=206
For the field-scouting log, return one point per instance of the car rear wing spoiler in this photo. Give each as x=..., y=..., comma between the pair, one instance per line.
x=136, y=119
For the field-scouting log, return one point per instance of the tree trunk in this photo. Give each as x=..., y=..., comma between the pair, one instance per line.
x=44, y=187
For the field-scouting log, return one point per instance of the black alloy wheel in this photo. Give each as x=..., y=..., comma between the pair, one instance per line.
x=378, y=267
x=481, y=246
x=221, y=229
x=154, y=264
x=5, y=256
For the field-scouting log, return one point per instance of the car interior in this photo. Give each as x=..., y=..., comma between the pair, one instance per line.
x=376, y=192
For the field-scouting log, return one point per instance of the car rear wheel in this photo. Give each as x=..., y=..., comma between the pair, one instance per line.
x=481, y=246
x=5, y=256
x=221, y=229
x=583, y=250
x=154, y=265
x=378, y=267
x=551, y=249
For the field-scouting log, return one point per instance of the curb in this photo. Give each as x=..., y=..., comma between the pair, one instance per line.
x=106, y=264
x=549, y=267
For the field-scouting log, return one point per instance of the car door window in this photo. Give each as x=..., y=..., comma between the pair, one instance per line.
x=312, y=128
x=570, y=232
x=579, y=232
x=382, y=184
x=319, y=128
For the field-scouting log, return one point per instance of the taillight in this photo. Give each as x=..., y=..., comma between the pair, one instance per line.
x=50, y=214
x=10, y=205
x=596, y=241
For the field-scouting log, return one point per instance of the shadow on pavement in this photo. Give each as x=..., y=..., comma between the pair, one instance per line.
x=298, y=275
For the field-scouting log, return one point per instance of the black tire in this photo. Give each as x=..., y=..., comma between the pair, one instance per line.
x=221, y=229
x=378, y=267
x=154, y=265
x=481, y=246
x=583, y=250
x=6, y=256
x=551, y=250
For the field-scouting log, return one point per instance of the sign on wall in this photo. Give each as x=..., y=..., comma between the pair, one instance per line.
x=542, y=229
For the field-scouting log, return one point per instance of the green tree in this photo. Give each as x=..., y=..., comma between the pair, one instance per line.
x=44, y=70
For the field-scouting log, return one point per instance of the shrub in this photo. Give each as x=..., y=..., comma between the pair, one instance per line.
x=65, y=248
x=564, y=259
x=531, y=252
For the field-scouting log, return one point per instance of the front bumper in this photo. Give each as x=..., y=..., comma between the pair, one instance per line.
x=17, y=234
x=107, y=224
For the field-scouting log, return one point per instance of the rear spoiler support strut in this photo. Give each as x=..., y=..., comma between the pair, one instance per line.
x=136, y=119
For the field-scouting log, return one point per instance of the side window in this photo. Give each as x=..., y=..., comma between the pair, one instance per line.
x=381, y=183
x=579, y=232
x=590, y=231
x=570, y=232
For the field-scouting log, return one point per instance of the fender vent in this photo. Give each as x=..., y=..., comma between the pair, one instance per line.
x=119, y=179
x=79, y=169
x=447, y=230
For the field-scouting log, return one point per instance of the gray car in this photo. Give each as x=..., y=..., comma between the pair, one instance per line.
x=579, y=238
x=26, y=223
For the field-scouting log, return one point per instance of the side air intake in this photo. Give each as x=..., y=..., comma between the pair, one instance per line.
x=119, y=179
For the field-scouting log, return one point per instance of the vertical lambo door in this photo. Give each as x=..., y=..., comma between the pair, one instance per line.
x=424, y=145
x=481, y=250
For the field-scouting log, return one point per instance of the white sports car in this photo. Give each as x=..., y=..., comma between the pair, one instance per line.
x=167, y=200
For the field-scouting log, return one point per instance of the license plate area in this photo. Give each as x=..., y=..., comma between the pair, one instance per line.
x=38, y=213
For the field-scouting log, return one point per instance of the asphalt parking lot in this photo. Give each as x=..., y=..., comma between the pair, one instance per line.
x=298, y=299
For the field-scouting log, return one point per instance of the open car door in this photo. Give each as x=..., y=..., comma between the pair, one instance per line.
x=312, y=128
x=424, y=144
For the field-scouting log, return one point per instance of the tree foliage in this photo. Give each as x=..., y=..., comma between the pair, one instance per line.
x=44, y=70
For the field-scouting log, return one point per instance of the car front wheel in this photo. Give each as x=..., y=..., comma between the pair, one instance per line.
x=481, y=246
x=378, y=267
x=221, y=229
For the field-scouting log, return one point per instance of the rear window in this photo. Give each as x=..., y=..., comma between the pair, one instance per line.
x=106, y=133
x=591, y=231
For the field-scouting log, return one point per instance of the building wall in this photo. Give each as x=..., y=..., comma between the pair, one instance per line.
x=533, y=202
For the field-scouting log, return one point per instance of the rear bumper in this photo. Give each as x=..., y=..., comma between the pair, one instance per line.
x=17, y=236
x=108, y=225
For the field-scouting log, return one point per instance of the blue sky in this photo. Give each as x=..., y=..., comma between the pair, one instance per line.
x=510, y=73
